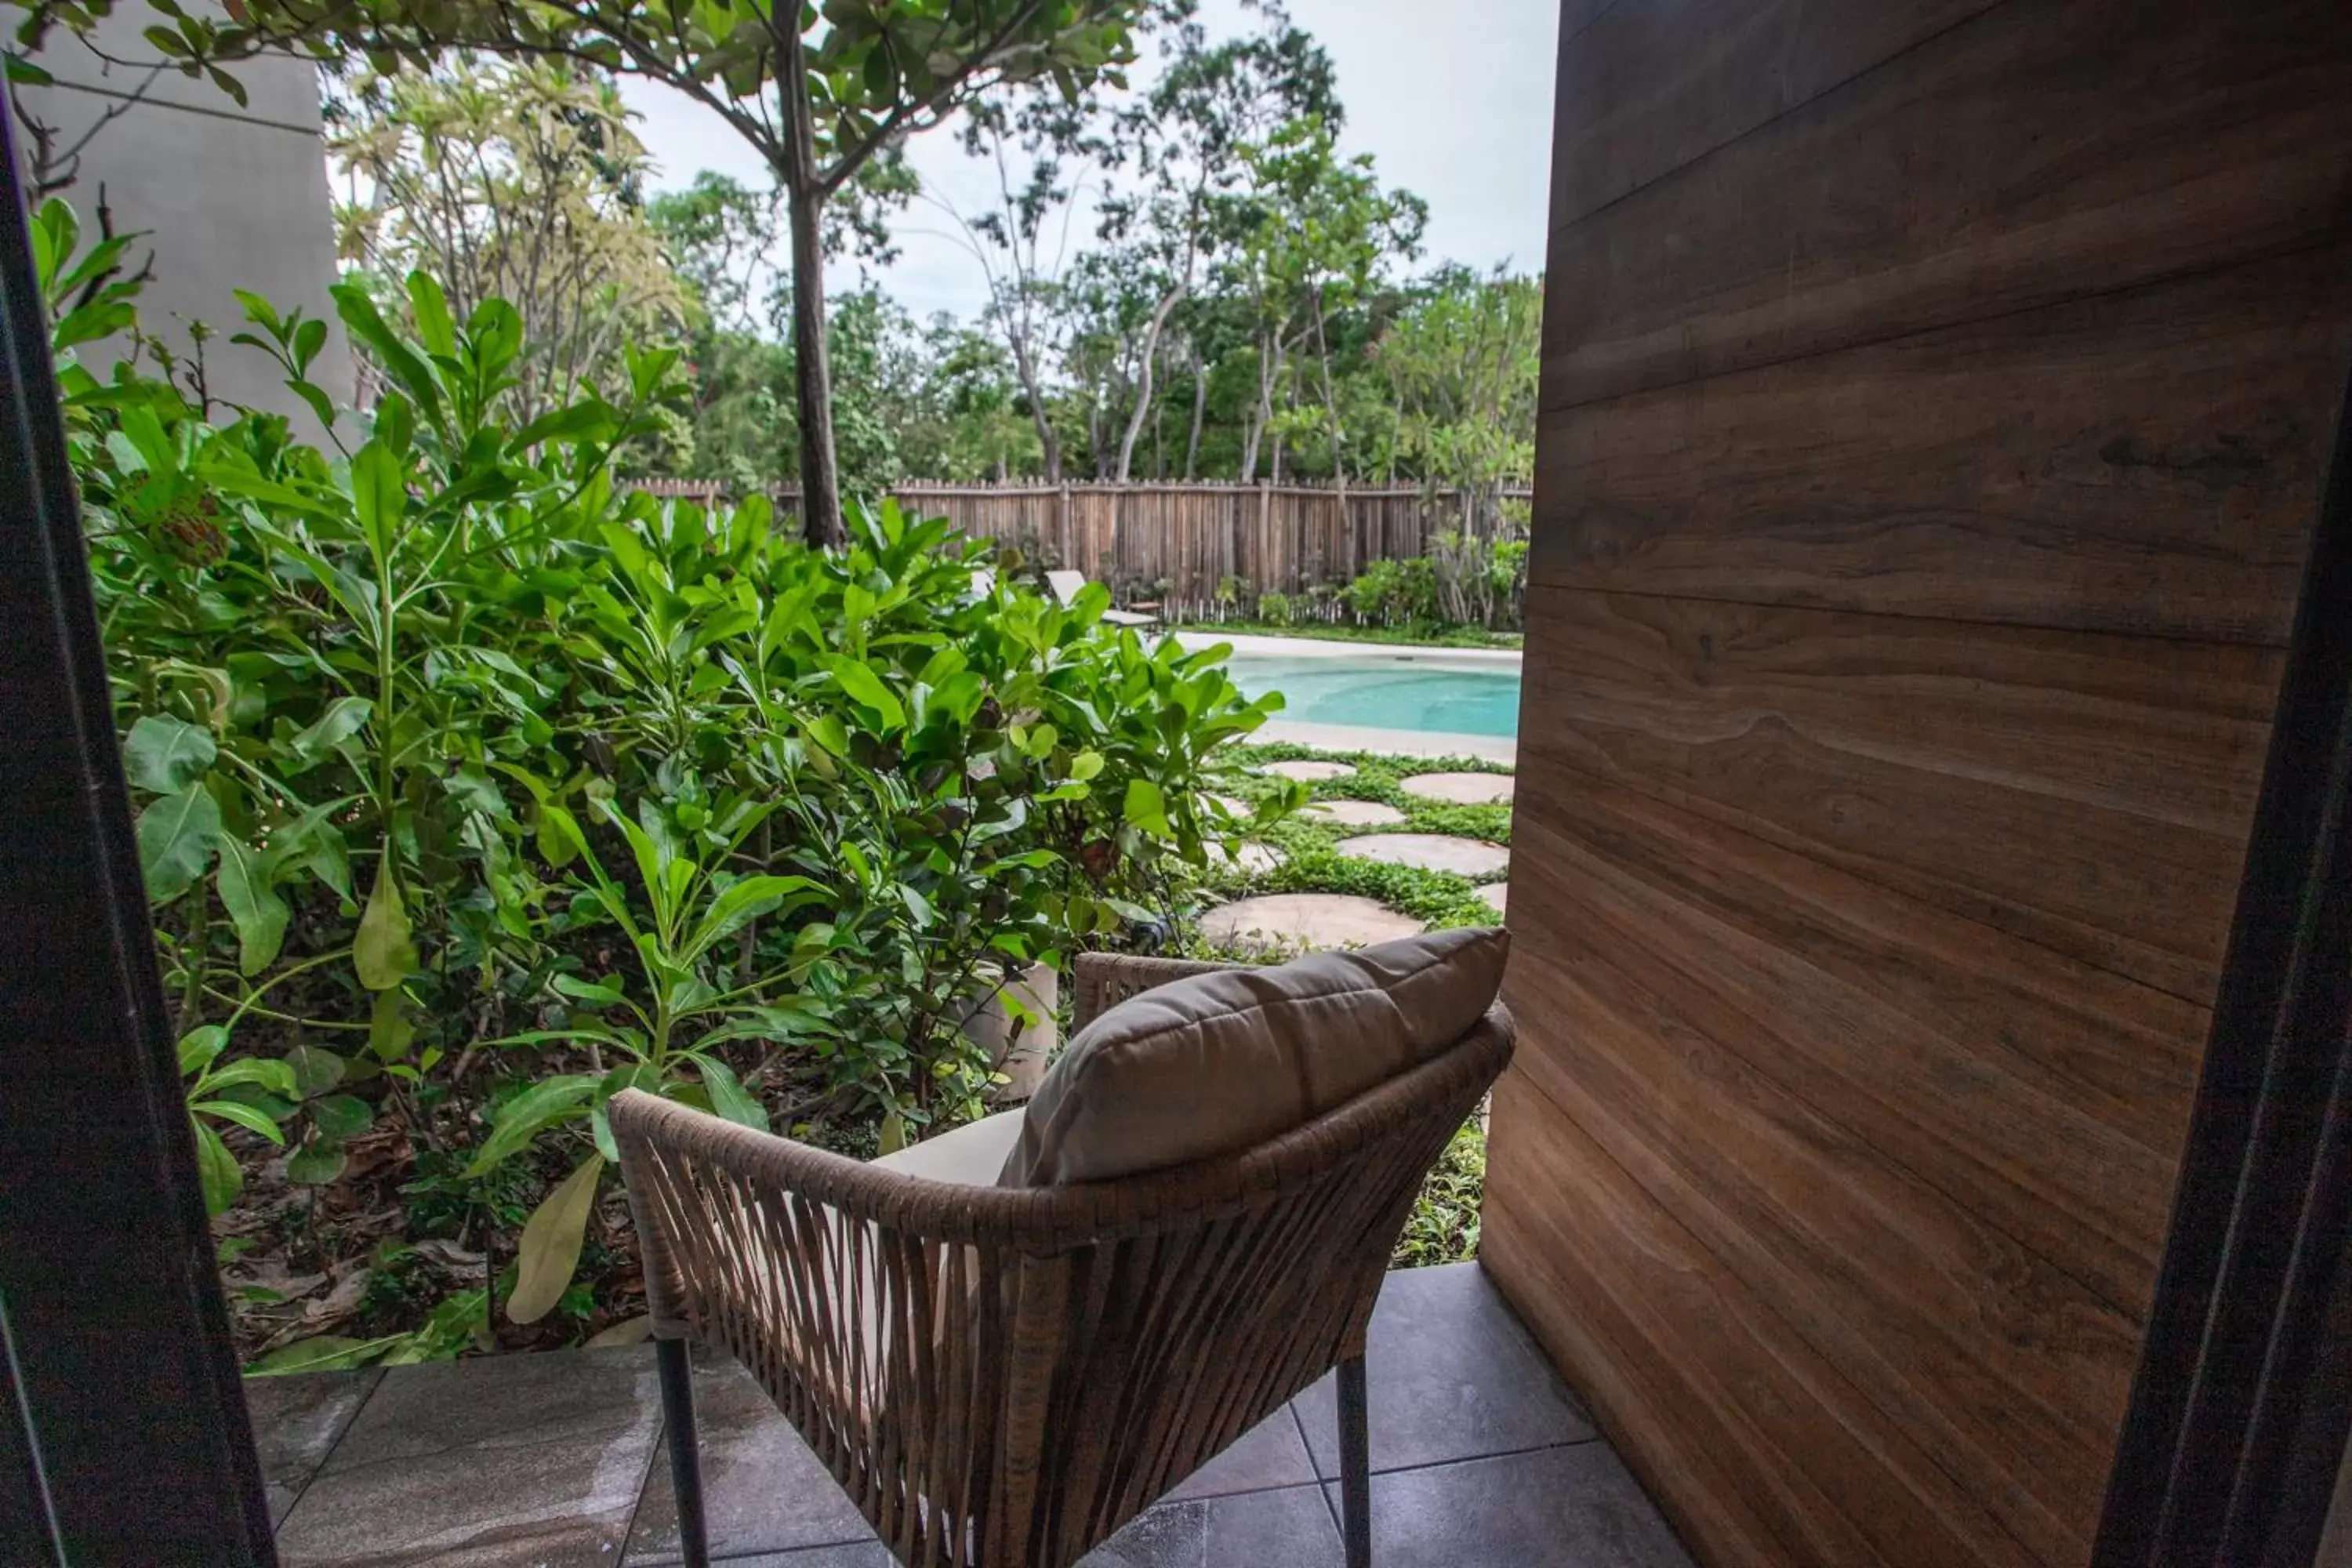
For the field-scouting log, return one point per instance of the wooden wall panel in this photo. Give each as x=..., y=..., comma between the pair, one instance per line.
x=2038, y=154
x=1711, y=71
x=1936, y=403
x=2138, y=461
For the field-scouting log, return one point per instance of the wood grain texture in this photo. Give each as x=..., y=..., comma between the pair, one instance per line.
x=1647, y=87
x=1899, y=1203
x=1936, y=408
x=2037, y=153
x=2087, y=791
x=1760, y=1448
x=2143, y=461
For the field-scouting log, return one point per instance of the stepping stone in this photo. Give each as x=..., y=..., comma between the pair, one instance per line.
x=1254, y=858
x=1471, y=857
x=1308, y=771
x=1497, y=894
x=1355, y=813
x=1461, y=789
x=1300, y=922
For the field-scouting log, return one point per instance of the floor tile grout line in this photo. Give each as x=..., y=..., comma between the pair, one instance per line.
x=1480, y=1458
x=375, y=1385
x=1330, y=1506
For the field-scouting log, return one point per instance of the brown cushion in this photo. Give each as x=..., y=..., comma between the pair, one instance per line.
x=1217, y=1063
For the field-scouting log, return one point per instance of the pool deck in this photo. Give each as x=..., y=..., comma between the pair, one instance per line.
x=1502, y=748
x=1390, y=742
x=1336, y=647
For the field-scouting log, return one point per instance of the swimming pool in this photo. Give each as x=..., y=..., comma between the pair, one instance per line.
x=1387, y=691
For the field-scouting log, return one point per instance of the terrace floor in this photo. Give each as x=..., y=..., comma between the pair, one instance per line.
x=1480, y=1457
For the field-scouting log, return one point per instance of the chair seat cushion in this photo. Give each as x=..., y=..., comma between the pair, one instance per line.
x=969, y=1156
x=1217, y=1063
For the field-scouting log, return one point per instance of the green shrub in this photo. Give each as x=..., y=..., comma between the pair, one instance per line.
x=473, y=788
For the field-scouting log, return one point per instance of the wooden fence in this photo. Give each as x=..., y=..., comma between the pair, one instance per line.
x=1176, y=543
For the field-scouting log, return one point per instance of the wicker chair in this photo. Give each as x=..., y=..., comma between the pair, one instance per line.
x=1005, y=1376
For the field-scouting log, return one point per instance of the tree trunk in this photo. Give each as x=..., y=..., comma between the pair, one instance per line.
x=1049, y=444
x=1199, y=407
x=811, y=369
x=1143, y=382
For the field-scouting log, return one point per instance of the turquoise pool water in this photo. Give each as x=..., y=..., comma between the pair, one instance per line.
x=1386, y=692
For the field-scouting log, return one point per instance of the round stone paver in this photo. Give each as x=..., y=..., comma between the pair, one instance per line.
x=1355, y=813
x=1430, y=852
x=1461, y=789
x=1255, y=858
x=1306, y=921
x=1308, y=771
x=1497, y=894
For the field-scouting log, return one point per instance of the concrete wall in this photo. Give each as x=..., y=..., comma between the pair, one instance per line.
x=232, y=197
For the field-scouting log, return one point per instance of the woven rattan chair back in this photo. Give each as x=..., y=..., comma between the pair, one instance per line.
x=1004, y=1376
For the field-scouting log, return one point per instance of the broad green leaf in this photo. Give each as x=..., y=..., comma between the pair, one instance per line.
x=217, y=1169
x=199, y=1048
x=606, y=993
x=742, y=902
x=729, y=1097
x=828, y=730
x=341, y=1116
x=865, y=688
x=1084, y=766
x=580, y=420
x=530, y=1114
x=561, y=841
x=383, y=952
x=316, y=1164
x=550, y=1248
x=390, y=1028
x=380, y=496
x=316, y=1069
x=344, y=718
x=274, y=1077
x=163, y=753
x=367, y=324
x=254, y=907
x=1145, y=806
x=244, y=1116
x=177, y=835
x=430, y=307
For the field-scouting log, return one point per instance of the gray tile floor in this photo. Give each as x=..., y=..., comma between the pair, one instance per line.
x=1479, y=1455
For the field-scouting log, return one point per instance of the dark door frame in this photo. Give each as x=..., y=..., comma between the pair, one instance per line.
x=123, y=1433
x=124, y=1438
x=2241, y=1408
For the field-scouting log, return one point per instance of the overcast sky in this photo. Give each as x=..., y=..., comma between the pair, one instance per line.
x=1453, y=100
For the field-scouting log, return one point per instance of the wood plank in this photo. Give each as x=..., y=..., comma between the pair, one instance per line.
x=2084, y=792
x=2143, y=461
x=1986, y=172
x=2003, y=1365
x=1960, y=1052
x=1756, y=1443
x=1646, y=89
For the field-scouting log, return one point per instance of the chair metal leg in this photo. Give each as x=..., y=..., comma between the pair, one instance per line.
x=1355, y=1464
x=685, y=1453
